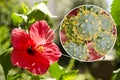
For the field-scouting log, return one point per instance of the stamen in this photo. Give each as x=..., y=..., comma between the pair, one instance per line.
x=40, y=48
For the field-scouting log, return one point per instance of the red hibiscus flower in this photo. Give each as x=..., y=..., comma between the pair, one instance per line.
x=34, y=50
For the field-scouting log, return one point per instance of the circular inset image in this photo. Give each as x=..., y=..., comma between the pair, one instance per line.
x=88, y=33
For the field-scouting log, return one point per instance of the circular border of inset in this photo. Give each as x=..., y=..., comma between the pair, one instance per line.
x=85, y=35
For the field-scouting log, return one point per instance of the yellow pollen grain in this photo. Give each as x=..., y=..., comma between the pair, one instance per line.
x=103, y=38
x=74, y=55
x=108, y=41
x=74, y=49
x=80, y=57
x=108, y=47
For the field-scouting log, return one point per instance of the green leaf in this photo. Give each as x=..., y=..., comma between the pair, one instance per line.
x=39, y=12
x=14, y=77
x=116, y=75
x=6, y=62
x=115, y=11
x=43, y=8
x=35, y=15
x=33, y=77
x=70, y=75
x=4, y=38
x=18, y=18
x=56, y=71
x=25, y=8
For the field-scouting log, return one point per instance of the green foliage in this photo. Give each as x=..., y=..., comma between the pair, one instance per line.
x=25, y=8
x=116, y=75
x=39, y=12
x=29, y=16
x=14, y=77
x=5, y=61
x=6, y=9
x=69, y=76
x=17, y=19
x=115, y=11
x=85, y=76
x=4, y=38
x=56, y=71
x=59, y=73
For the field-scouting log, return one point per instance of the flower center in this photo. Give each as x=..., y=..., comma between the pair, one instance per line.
x=40, y=48
x=30, y=51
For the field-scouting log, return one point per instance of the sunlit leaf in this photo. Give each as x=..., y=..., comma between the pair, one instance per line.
x=69, y=75
x=42, y=7
x=39, y=12
x=56, y=71
x=25, y=8
x=18, y=18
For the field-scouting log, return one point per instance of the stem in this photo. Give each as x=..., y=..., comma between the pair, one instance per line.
x=70, y=65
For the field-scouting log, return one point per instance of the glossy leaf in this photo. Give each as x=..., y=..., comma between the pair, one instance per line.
x=25, y=8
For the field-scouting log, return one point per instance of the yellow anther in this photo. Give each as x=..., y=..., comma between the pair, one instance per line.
x=40, y=48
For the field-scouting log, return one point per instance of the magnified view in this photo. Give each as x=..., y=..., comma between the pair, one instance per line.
x=88, y=33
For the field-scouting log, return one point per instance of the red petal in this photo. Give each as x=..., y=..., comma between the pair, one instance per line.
x=19, y=39
x=52, y=52
x=21, y=59
x=37, y=64
x=73, y=13
x=41, y=33
x=94, y=55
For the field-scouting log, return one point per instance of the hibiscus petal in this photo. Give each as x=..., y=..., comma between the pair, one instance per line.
x=41, y=33
x=52, y=52
x=19, y=39
x=36, y=64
